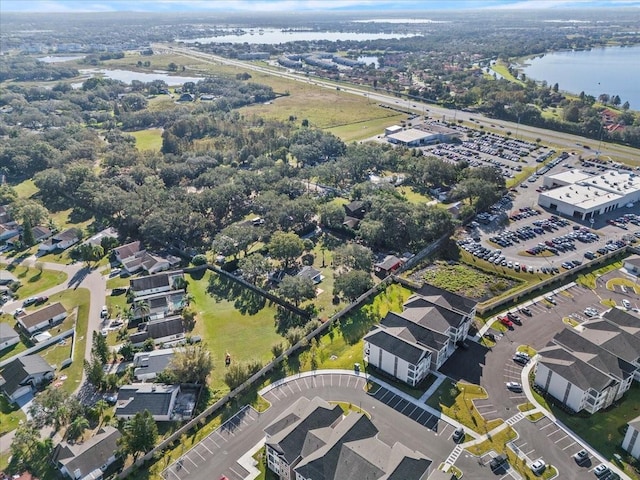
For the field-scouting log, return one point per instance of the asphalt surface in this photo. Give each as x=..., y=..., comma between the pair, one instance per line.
x=218, y=454
x=493, y=367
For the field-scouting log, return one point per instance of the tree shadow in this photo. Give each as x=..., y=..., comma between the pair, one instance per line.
x=78, y=277
x=356, y=325
x=249, y=302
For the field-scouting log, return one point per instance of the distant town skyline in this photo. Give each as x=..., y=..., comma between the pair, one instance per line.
x=231, y=6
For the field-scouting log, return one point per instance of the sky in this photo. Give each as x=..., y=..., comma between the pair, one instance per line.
x=67, y=6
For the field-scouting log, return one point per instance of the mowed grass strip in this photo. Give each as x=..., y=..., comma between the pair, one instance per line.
x=33, y=280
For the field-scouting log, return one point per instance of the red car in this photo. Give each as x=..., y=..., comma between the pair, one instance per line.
x=505, y=321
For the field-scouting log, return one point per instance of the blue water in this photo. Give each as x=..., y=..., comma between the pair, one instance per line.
x=611, y=70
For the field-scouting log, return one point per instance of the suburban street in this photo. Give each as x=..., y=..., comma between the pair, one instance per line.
x=523, y=131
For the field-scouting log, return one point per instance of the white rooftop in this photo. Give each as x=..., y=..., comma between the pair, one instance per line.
x=581, y=196
x=570, y=176
x=410, y=135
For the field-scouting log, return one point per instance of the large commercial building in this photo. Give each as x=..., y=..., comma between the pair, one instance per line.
x=420, y=135
x=580, y=195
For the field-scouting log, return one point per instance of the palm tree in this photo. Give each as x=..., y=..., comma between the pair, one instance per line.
x=143, y=309
x=187, y=299
x=77, y=428
x=99, y=408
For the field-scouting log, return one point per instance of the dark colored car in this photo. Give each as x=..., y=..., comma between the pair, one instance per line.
x=458, y=435
x=41, y=300
x=498, y=462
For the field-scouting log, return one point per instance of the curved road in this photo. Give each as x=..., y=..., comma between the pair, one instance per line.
x=564, y=140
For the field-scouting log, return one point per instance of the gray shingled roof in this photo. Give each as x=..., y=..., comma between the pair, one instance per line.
x=388, y=341
x=7, y=333
x=447, y=299
x=15, y=373
x=90, y=455
x=427, y=314
x=42, y=315
x=150, y=281
x=418, y=333
x=578, y=372
x=611, y=338
x=627, y=321
x=138, y=397
x=148, y=363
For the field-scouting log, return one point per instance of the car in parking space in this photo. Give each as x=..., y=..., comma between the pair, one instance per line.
x=591, y=312
x=581, y=456
x=523, y=355
x=458, y=435
x=526, y=311
x=505, y=321
x=514, y=318
x=497, y=462
x=514, y=387
x=601, y=470
x=490, y=336
x=550, y=299
x=520, y=360
x=626, y=303
x=538, y=466
x=41, y=300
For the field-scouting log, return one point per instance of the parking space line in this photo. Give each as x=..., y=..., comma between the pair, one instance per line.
x=555, y=431
x=414, y=409
x=339, y=380
x=183, y=468
x=188, y=457
x=530, y=452
x=547, y=425
x=195, y=450
x=206, y=448
x=384, y=395
x=235, y=473
x=290, y=389
x=569, y=446
x=214, y=442
x=398, y=402
x=419, y=416
x=561, y=438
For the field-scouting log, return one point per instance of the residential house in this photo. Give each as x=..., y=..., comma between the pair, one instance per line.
x=150, y=284
x=61, y=240
x=89, y=459
x=168, y=330
x=410, y=344
x=164, y=402
x=591, y=369
x=354, y=213
x=312, y=440
x=42, y=319
x=8, y=230
x=186, y=97
x=24, y=374
x=311, y=273
x=8, y=336
x=6, y=277
x=631, y=443
x=41, y=233
x=96, y=240
x=127, y=251
x=390, y=264
x=149, y=263
x=632, y=265
x=147, y=365
x=157, y=306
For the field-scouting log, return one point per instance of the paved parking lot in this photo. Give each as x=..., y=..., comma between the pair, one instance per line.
x=415, y=412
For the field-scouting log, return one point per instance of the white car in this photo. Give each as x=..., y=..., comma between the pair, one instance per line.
x=514, y=386
x=104, y=312
x=626, y=304
x=538, y=466
x=601, y=470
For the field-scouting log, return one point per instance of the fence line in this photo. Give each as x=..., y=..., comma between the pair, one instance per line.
x=40, y=346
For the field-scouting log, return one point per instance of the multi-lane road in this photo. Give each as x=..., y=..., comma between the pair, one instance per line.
x=526, y=132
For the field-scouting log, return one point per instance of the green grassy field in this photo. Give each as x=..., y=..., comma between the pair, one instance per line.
x=357, y=131
x=33, y=281
x=25, y=189
x=10, y=417
x=14, y=349
x=501, y=69
x=244, y=327
x=149, y=139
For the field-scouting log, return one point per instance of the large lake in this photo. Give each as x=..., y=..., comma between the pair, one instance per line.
x=272, y=36
x=612, y=70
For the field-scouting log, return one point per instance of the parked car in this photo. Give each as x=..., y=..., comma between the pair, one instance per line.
x=514, y=387
x=41, y=300
x=458, y=435
x=581, y=457
x=490, y=336
x=521, y=360
x=526, y=311
x=626, y=303
x=538, y=466
x=601, y=470
x=498, y=462
x=104, y=312
x=29, y=301
x=506, y=322
x=550, y=299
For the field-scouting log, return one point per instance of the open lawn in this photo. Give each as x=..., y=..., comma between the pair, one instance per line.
x=366, y=129
x=33, y=280
x=414, y=197
x=502, y=69
x=244, y=327
x=14, y=349
x=149, y=139
x=605, y=430
x=10, y=416
x=25, y=189
x=57, y=353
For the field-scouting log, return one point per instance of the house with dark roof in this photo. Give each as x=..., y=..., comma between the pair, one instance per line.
x=128, y=250
x=43, y=319
x=88, y=459
x=23, y=375
x=168, y=331
x=387, y=266
x=149, y=263
x=591, y=369
x=157, y=306
x=631, y=442
x=164, y=402
x=309, y=272
x=632, y=265
x=8, y=336
x=314, y=441
x=354, y=212
x=147, y=365
x=61, y=240
x=8, y=230
x=41, y=233
x=410, y=344
x=150, y=284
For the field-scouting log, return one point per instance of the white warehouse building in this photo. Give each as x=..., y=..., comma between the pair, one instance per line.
x=583, y=196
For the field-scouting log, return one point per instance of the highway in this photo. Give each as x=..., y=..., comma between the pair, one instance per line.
x=525, y=132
